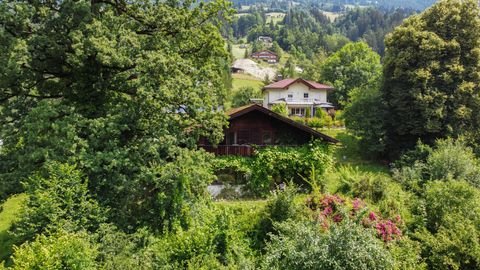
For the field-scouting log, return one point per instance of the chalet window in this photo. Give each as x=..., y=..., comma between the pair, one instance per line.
x=243, y=137
x=305, y=95
x=267, y=137
x=231, y=138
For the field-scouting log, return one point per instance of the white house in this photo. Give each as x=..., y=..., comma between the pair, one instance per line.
x=298, y=95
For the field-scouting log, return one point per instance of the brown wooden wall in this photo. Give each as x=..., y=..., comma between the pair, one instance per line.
x=256, y=127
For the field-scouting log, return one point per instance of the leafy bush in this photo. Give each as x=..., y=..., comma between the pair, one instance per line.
x=271, y=166
x=58, y=251
x=274, y=165
x=210, y=241
x=280, y=108
x=239, y=168
x=314, y=122
x=243, y=95
x=448, y=160
x=302, y=245
x=58, y=200
x=442, y=164
x=298, y=119
x=365, y=185
x=280, y=207
x=450, y=239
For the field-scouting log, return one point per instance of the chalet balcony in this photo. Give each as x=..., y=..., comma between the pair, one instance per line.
x=224, y=150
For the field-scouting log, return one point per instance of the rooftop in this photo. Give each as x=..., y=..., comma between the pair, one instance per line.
x=283, y=84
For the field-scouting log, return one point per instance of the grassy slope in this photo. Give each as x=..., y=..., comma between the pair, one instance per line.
x=238, y=53
x=8, y=212
x=348, y=154
x=243, y=80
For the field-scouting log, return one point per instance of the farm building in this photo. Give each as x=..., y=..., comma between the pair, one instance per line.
x=254, y=125
x=265, y=55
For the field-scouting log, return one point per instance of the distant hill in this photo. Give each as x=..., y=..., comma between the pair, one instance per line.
x=337, y=5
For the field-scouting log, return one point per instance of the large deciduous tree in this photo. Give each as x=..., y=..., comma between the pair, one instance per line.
x=431, y=76
x=351, y=67
x=122, y=89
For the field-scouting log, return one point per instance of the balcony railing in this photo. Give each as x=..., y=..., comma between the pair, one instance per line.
x=223, y=150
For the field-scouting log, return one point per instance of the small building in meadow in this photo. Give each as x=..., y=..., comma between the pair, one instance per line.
x=265, y=55
x=255, y=126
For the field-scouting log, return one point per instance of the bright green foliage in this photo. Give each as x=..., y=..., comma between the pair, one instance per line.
x=302, y=245
x=243, y=95
x=407, y=255
x=212, y=240
x=451, y=239
x=351, y=67
x=8, y=212
x=463, y=165
x=431, y=73
x=274, y=165
x=271, y=166
x=280, y=207
x=56, y=252
x=364, y=117
x=280, y=108
x=55, y=201
x=425, y=164
x=118, y=88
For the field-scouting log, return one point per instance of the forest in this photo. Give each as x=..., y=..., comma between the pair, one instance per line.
x=103, y=103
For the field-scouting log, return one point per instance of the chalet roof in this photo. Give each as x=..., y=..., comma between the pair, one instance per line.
x=264, y=51
x=237, y=112
x=283, y=84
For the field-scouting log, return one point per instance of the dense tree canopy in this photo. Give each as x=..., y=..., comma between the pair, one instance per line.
x=353, y=66
x=122, y=89
x=431, y=75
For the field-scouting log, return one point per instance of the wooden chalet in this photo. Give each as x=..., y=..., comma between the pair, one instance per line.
x=265, y=55
x=255, y=126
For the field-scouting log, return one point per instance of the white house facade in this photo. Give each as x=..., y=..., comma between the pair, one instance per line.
x=298, y=95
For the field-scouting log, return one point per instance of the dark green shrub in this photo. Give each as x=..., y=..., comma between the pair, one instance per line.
x=280, y=207
x=302, y=245
x=451, y=237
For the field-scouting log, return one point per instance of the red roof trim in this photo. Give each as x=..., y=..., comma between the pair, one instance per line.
x=255, y=107
x=283, y=84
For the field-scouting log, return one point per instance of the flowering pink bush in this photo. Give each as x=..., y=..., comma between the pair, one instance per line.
x=333, y=208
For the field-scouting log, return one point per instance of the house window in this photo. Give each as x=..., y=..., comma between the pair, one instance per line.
x=290, y=95
x=231, y=138
x=297, y=111
x=305, y=95
x=267, y=137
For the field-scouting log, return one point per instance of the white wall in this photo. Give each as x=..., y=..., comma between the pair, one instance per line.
x=297, y=90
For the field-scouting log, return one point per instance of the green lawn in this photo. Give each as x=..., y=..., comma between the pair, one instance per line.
x=8, y=211
x=245, y=80
x=238, y=53
x=276, y=17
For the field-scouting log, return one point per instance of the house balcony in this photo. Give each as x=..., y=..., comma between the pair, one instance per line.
x=224, y=150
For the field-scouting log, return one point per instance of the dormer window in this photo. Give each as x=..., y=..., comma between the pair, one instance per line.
x=305, y=95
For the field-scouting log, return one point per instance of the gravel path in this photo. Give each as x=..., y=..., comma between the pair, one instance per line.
x=252, y=68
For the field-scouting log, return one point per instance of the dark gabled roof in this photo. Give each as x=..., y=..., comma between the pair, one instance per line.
x=237, y=112
x=264, y=51
x=287, y=82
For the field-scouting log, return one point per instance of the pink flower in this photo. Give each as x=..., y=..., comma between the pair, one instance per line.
x=327, y=211
x=337, y=218
x=372, y=216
